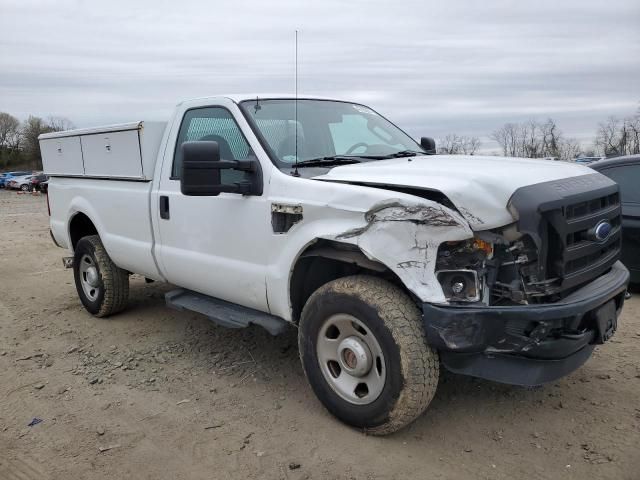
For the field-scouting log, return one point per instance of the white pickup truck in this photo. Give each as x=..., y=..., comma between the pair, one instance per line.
x=390, y=260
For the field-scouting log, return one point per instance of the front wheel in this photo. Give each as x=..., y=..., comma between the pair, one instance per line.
x=364, y=352
x=102, y=286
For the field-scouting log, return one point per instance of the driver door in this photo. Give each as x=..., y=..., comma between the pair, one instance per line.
x=211, y=244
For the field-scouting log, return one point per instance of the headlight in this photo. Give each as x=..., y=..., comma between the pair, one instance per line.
x=459, y=285
x=460, y=268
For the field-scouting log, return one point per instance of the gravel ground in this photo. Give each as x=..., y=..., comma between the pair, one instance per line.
x=154, y=393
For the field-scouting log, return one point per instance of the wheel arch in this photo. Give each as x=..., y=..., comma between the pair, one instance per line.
x=80, y=225
x=322, y=261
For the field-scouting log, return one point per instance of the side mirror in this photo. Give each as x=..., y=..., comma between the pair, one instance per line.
x=200, y=172
x=428, y=144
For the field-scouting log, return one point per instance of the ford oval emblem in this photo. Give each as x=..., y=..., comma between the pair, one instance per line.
x=602, y=231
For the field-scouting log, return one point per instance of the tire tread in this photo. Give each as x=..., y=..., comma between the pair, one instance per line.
x=115, y=280
x=420, y=363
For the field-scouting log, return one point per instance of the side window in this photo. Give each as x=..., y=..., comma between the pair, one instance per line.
x=218, y=125
x=628, y=177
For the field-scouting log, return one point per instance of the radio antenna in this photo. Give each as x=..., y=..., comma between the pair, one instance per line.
x=295, y=124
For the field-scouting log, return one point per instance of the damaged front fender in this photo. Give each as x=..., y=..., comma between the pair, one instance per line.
x=405, y=235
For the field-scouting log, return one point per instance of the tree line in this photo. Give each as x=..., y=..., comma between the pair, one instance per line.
x=615, y=136
x=535, y=139
x=19, y=147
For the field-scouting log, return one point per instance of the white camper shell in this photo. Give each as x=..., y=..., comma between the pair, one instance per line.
x=125, y=151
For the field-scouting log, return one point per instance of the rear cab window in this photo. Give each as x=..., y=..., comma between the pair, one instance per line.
x=218, y=125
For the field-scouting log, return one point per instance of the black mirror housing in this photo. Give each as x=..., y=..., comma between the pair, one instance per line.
x=200, y=171
x=428, y=144
x=199, y=168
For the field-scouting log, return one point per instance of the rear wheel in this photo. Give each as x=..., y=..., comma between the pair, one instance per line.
x=102, y=286
x=24, y=187
x=365, y=355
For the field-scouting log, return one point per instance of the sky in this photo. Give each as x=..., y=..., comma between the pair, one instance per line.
x=432, y=67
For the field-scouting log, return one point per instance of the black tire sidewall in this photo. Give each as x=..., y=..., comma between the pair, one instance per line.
x=320, y=308
x=85, y=247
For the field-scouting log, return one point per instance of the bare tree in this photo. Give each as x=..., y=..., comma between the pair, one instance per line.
x=551, y=139
x=567, y=149
x=8, y=125
x=59, y=124
x=617, y=136
x=535, y=139
x=32, y=128
x=470, y=145
x=508, y=137
x=9, y=137
x=454, y=144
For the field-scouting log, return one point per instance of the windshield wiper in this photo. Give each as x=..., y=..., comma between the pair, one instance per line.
x=328, y=161
x=400, y=154
x=406, y=153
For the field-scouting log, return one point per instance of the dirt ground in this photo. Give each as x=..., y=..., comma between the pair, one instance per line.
x=153, y=393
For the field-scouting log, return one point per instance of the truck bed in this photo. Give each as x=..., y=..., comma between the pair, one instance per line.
x=106, y=174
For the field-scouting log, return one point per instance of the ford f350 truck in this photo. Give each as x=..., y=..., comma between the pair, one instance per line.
x=391, y=261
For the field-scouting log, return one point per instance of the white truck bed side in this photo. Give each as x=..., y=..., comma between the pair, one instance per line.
x=120, y=212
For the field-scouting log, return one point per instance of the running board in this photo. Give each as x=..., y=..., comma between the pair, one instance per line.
x=223, y=313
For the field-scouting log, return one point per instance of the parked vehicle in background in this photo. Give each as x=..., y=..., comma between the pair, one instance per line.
x=390, y=260
x=37, y=180
x=20, y=183
x=44, y=186
x=588, y=160
x=8, y=176
x=625, y=171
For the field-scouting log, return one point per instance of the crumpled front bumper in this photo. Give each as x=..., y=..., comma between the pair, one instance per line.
x=527, y=344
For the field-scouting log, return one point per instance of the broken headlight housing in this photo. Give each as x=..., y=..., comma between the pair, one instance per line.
x=460, y=269
x=459, y=285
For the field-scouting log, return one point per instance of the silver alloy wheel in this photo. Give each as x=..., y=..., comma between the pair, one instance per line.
x=351, y=359
x=89, y=278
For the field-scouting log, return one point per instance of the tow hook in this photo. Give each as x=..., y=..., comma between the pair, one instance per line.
x=67, y=262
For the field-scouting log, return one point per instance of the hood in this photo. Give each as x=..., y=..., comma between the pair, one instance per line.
x=479, y=186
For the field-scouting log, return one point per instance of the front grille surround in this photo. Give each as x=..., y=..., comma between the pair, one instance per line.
x=573, y=256
x=558, y=217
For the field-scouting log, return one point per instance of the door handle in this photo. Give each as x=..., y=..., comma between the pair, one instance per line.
x=164, y=207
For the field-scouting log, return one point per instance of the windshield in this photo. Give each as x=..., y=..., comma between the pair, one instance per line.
x=324, y=129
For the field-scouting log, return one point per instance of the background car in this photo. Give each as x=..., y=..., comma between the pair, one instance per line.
x=588, y=160
x=7, y=176
x=20, y=183
x=626, y=172
x=37, y=180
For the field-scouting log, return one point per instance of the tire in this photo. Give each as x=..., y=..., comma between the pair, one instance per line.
x=388, y=322
x=104, y=290
x=24, y=188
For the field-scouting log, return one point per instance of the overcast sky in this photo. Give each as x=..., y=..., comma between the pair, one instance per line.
x=432, y=67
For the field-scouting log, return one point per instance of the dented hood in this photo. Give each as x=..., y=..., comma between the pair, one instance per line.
x=479, y=186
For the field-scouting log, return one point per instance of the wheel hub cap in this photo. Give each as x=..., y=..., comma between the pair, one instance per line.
x=92, y=276
x=351, y=359
x=354, y=356
x=89, y=277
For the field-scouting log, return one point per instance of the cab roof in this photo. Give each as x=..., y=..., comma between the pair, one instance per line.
x=240, y=97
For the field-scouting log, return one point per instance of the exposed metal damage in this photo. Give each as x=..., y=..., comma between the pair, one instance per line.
x=284, y=216
x=405, y=236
